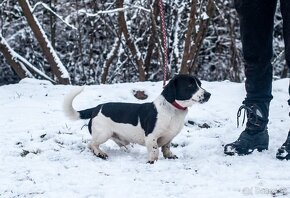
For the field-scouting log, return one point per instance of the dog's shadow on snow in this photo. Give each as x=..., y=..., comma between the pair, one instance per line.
x=130, y=152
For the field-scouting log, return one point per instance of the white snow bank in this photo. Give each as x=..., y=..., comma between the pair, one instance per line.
x=32, y=81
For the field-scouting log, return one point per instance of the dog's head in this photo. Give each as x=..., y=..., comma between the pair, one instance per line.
x=185, y=90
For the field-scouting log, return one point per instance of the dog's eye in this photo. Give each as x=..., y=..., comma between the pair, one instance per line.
x=190, y=85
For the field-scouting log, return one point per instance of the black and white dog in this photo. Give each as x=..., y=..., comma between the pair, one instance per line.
x=152, y=124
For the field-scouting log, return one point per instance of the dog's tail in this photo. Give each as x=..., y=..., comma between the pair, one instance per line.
x=67, y=104
x=71, y=112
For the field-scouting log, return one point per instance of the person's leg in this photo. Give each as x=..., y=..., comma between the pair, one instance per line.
x=256, y=27
x=285, y=8
x=284, y=150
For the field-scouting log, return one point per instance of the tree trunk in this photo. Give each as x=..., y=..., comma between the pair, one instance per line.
x=52, y=20
x=153, y=39
x=129, y=42
x=194, y=38
x=11, y=60
x=19, y=64
x=58, y=69
x=109, y=61
x=234, y=65
x=188, y=39
x=199, y=37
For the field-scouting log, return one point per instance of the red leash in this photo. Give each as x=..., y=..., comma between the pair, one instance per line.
x=164, y=41
x=175, y=104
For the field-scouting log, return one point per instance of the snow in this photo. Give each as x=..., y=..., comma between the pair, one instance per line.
x=204, y=16
x=113, y=10
x=43, y=154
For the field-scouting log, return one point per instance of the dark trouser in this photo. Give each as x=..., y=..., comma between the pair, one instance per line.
x=256, y=26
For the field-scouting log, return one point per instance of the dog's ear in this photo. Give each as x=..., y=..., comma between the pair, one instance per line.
x=169, y=91
x=197, y=81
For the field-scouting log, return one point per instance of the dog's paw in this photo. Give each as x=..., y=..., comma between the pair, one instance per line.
x=102, y=155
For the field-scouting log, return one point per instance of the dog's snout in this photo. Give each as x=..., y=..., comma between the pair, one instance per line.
x=206, y=96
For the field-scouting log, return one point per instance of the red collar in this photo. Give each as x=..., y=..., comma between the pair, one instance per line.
x=178, y=106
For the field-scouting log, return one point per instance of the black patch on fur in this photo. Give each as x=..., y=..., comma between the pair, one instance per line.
x=89, y=113
x=90, y=126
x=148, y=118
x=181, y=87
x=131, y=113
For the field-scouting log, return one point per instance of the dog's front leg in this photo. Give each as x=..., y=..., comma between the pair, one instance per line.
x=167, y=152
x=152, y=148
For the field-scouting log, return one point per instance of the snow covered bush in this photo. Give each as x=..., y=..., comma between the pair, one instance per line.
x=120, y=41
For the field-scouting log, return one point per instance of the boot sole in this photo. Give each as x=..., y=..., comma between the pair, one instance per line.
x=259, y=148
x=287, y=157
x=280, y=153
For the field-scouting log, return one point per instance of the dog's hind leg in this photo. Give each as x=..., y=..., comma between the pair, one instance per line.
x=99, y=138
x=152, y=148
x=94, y=146
x=167, y=152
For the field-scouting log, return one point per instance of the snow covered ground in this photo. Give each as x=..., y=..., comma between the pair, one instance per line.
x=43, y=154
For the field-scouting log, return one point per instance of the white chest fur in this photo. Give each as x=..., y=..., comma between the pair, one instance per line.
x=170, y=121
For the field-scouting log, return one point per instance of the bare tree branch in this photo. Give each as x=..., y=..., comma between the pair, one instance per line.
x=21, y=71
x=124, y=30
x=187, y=42
x=195, y=37
x=19, y=64
x=112, y=56
x=199, y=37
x=58, y=69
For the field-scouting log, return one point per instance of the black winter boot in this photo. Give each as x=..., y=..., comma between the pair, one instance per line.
x=255, y=135
x=284, y=151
